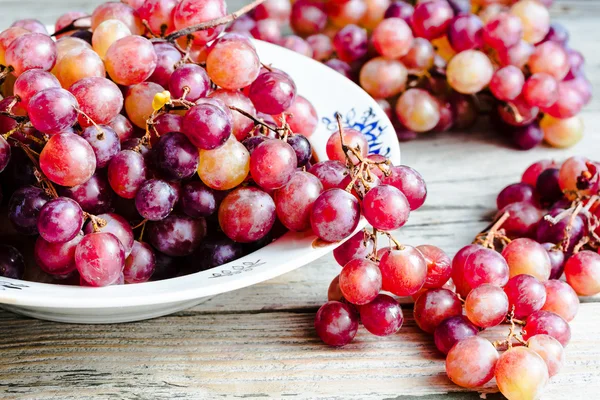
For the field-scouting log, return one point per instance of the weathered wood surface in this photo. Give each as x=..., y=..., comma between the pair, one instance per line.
x=259, y=342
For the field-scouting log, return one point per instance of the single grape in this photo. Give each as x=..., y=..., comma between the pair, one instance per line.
x=190, y=77
x=526, y=256
x=31, y=51
x=302, y=148
x=561, y=299
x=550, y=350
x=247, y=214
x=159, y=15
x=486, y=266
x=191, y=12
x=99, y=98
x=130, y=60
x=198, y=200
x=526, y=294
x=139, y=102
x=570, y=171
x=420, y=56
x=107, y=33
x=330, y=172
x=521, y=373
x=555, y=233
x=297, y=44
x=60, y=220
x=469, y=72
x=336, y=323
x=535, y=19
x=272, y=164
x=276, y=9
x=557, y=33
x=550, y=58
x=403, y=270
x=155, y=200
x=349, y=12
x=176, y=235
x=100, y=258
x=273, y=92
x=465, y=32
x=515, y=193
x=207, y=126
x=549, y=323
x=503, y=31
x=486, y=306
x=418, y=110
x=582, y=271
x=385, y=208
x=12, y=264
x=333, y=292
x=341, y=67
x=307, y=17
x=176, y=156
x=458, y=269
x=67, y=159
x=140, y=264
x=383, y=78
x=434, y=306
x=557, y=260
x=522, y=220
x=335, y=215
x=122, y=126
x=56, y=258
x=541, y=90
x=360, y=281
x=120, y=11
x=507, y=83
x=451, y=331
x=382, y=316
x=167, y=59
x=78, y=64
x=104, y=141
x=118, y=226
x=351, y=138
x=242, y=125
x=400, y=9
x=126, y=173
x=392, y=38
x=31, y=82
x=321, y=45
x=355, y=247
x=562, y=132
x=294, y=201
x=52, y=110
x=351, y=43
x=431, y=19
x=471, y=362
x=439, y=266
x=267, y=30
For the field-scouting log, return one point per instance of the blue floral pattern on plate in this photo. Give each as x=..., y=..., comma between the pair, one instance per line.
x=368, y=123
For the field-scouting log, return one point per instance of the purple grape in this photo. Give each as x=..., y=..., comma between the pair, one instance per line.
x=340, y=66
x=198, y=200
x=527, y=137
x=400, y=9
x=451, y=331
x=302, y=147
x=273, y=92
x=4, y=153
x=547, y=186
x=167, y=123
x=207, y=126
x=216, y=251
x=190, y=76
x=176, y=235
x=466, y=32
x=252, y=142
x=557, y=260
x=165, y=266
x=24, y=207
x=167, y=56
x=105, y=143
x=12, y=264
x=176, y=156
x=94, y=196
x=155, y=199
x=460, y=6
x=60, y=220
x=547, y=232
x=140, y=264
x=351, y=43
x=515, y=193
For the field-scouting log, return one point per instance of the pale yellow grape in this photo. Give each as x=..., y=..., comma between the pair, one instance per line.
x=521, y=374
x=550, y=350
x=77, y=64
x=107, y=33
x=225, y=167
x=469, y=72
x=418, y=110
x=138, y=102
x=374, y=14
x=535, y=19
x=65, y=45
x=562, y=132
x=383, y=78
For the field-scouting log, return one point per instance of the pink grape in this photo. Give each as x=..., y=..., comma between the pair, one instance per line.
x=431, y=19
x=382, y=316
x=568, y=104
x=297, y=44
x=31, y=82
x=549, y=323
x=351, y=138
x=418, y=110
x=335, y=215
x=192, y=12
x=486, y=306
x=521, y=373
x=192, y=77
x=177, y=235
x=526, y=294
x=336, y=323
x=104, y=142
x=272, y=164
x=582, y=271
x=294, y=201
x=140, y=264
x=232, y=64
x=242, y=125
x=307, y=17
x=126, y=173
x=451, y=331
x=403, y=271
x=56, y=258
x=32, y=25
x=122, y=126
x=31, y=51
x=341, y=67
x=7, y=36
x=515, y=193
x=526, y=256
x=516, y=55
x=207, y=126
x=247, y=214
x=330, y=172
x=99, y=98
x=130, y=60
x=159, y=15
x=60, y=220
x=507, y=83
x=350, y=12
x=550, y=350
x=322, y=46
x=561, y=299
x=120, y=11
x=541, y=90
x=469, y=71
x=392, y=38
x=273, y=92
x=267, y=30
x=277, y=9
x=550, y=58
x=53, y=110
x=225, y=167
x=503, y=31
x=355, y=247
x=350, y=43
x=302, y=117
x=486, y=266
x=383, y=78
x=471, y=362
x=385, y=208
x=410, y=183
x=420, y=56
x=68, y=160
x=400, y=9
x=360, y=281
x=100, y=258
x=465, y=32
x=167, y=58
x=434, y=306
x=535, y=19
x=118, y=226
x=439, y=266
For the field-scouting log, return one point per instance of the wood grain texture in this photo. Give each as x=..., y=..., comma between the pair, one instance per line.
x=259, y=342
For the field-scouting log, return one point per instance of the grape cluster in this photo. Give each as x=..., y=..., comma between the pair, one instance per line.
x=147, y=120
x=548, y=226
x=438, y=64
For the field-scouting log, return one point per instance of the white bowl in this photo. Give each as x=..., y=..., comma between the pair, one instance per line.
x=329, y=92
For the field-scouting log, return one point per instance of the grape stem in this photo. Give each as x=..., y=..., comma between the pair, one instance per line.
x=5, y=71
x=91, y=121
x=398, y=245
x=17, y=118
x=511, y=332
x=373, y=237
x=256, y=121
x=490, y=233
x=74, y=25
x=143, y=226
x=209, y=24
x=97, y=222
x=150, y=31
x=39, y=175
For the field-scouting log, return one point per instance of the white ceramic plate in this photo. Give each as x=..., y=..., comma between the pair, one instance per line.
x=329, y=92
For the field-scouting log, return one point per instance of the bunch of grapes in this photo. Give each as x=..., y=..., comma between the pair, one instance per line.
x=548, y=226
x=438, y=64
x=117, y=127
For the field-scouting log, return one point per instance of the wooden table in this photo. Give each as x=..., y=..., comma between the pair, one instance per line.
x=259, y=342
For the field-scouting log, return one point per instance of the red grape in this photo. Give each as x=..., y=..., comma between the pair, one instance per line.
x=100, y=258
x=486, y=306
x=451, y=331
x=335, y=215
x=360, y=281
x=247, y=214
x=336, y=323
x=582, y=271
x=549, y=323
x=526, y=294
x=403, y=270
x=471, y=362
x=294, y=201
x=382, y=316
